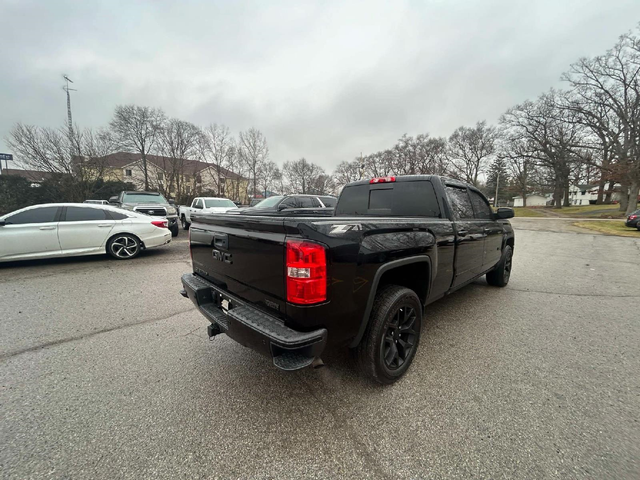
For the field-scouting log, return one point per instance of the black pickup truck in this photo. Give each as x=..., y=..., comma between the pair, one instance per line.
x=288, y=286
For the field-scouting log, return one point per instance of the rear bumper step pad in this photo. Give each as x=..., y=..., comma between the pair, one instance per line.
x=253, y=328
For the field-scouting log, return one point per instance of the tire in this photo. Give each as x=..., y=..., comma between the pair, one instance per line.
x=185, y=224
x=123, y=246
x=393, y=305
x=499, y=276
x=174, y=230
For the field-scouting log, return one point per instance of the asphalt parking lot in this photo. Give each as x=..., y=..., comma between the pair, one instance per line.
x=106, y=372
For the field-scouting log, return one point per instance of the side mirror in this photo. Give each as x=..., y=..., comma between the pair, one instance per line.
x=172, y=202
x=113, y=199
x=2, y=223
x=504, y=213
x=282, y=207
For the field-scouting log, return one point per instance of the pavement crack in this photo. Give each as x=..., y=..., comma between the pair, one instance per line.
x=571, y=294
x=11, y=354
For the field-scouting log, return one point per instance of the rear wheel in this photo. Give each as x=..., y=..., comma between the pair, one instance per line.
x=185, y=224
x=499, y=276
x=174, y=230
x=123, y=247
x=391, y=340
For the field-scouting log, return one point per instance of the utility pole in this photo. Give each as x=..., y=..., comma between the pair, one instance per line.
x=495, y=201
x=67, y=89
x=361, y=169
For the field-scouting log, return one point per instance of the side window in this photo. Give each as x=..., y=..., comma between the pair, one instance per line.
x=308, y=202
x=79, y=214
x=197, y=203
x=289, y=202
x=329, y=202
x=116, y=215
x=460, y=202
x=34, y=215
x=480, y=206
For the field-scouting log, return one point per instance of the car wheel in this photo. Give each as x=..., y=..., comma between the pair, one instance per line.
x=174, y=230
x=123, y=247
x=185, y=224
x=392, y=336
x=499, y=276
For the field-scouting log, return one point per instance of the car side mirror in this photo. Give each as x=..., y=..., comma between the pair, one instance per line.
x=282, y=207
x=113, y=199
x=172, y=202
x=2, y=223
x=504, y=213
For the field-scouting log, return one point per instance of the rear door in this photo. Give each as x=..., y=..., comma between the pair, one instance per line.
x=492, y=229
x=84, y=229
x=31, y=233
x=470, y=235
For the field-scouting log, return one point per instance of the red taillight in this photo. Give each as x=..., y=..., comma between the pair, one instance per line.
x=160, y=223
x=633, y=217
x=382, y=180
x=306, y=272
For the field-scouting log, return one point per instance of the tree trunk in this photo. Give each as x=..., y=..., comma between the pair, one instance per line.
x=601, y=185
x=524, y=198
x=609, y=192
x=624, y=195
x=632, y=201
x=146, y=172
x=566, y=202
x=557, y=196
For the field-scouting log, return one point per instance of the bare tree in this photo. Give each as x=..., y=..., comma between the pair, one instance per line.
x=470, y=151
x=253, y=152
x=217, y=149
x=50, y=150
x=137, y=129
x=178, y=142
x=268, y=175
x=301, y=176
x=606, y=90
x=346, y=172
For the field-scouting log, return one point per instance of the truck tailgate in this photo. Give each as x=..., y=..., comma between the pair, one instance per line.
x=243, y=255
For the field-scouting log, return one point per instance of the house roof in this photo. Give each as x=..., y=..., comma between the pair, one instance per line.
x=189, y=167
x=33, y=175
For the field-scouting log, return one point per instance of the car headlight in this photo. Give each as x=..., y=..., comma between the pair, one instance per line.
x=171, y=211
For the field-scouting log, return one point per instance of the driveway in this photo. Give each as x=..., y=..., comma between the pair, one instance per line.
x=106, y=372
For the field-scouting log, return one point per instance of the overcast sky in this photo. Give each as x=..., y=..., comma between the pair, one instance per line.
x=324, y=80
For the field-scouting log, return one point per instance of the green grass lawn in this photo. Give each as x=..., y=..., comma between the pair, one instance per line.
x=527, y=212
x=610, y=228
x=591, y=211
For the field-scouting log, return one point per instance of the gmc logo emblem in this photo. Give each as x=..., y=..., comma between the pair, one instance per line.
x=222, y=257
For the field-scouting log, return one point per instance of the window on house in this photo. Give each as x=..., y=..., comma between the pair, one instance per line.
x=127, y=173
x=198, y=179
x=187, y=178
x=160, y=176
x=187, y=188
x=583, y=192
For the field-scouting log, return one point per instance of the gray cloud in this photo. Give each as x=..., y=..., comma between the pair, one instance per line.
x=324, y=80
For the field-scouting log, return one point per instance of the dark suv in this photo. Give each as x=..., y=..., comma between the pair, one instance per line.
x=632, y=219
x=279, y=203
x=150, y=203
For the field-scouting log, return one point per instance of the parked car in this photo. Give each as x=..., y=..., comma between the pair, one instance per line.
x=279, y=203
x=97, y=202
x=289, y=286
x=149, y=203
x=632, y=219
x=205, y=205
x=72, y=229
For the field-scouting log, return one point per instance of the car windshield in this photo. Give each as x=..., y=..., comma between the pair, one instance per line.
x=144, y=198
x=219, y=202
x=269, y=202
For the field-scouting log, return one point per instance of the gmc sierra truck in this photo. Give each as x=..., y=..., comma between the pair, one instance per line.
x=289, y=286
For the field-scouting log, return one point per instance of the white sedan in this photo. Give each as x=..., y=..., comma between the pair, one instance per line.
x=71, y=229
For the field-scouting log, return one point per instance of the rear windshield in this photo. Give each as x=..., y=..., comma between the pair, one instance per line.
x=403, y=199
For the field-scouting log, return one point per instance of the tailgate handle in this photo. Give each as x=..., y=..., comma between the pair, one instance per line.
x=221, y=240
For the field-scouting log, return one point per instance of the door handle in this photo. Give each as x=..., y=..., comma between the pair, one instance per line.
x=463, y=233
x=104, y=225
x=47, y=228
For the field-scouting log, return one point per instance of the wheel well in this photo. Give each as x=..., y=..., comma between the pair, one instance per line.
x=511, y=242
x=106, y=244
x=414, y=276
